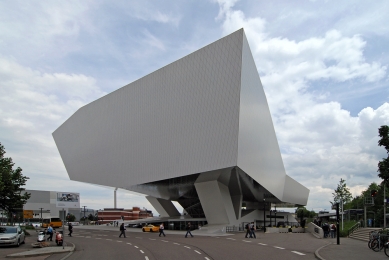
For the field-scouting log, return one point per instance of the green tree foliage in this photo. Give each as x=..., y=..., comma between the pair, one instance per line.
x=11, y=181
x=91, y=217
x=383, y=166
x=70, y=218
x=342, y=193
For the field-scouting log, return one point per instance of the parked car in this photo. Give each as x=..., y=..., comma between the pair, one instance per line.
x=150, y=228
x=10, y=236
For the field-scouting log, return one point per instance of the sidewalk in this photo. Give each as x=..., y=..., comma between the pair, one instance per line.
x=347, y=249
x=54, y=249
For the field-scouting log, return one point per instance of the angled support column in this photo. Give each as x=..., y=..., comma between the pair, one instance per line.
x=219, y=204
x=164, y=207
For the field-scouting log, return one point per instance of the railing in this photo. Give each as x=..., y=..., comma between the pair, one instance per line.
x=233, y=229
x=353, y=228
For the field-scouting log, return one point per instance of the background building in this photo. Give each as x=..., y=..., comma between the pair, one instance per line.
x=44, y=205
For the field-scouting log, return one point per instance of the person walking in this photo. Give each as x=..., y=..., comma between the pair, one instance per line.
x=161, y=228
x=50, y=231
x=122, y=229
x=252, y=230
x=188, y=228
x=70, y=229
x=247, y=227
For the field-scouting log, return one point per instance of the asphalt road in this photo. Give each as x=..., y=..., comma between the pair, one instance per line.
x=102, y=244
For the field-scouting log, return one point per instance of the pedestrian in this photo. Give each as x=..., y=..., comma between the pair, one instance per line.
x=161, y=228
x=122, y=229
x=247, y=230
x=70, y=229
x=252, y=230
x=325, y=230
x=188, y=228
x=50, y=232
x=332, y=234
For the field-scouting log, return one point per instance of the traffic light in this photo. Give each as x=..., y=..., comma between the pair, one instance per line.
x=374, y=193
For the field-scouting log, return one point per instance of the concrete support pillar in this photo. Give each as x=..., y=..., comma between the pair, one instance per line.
x=164, y=207
x=217, y=203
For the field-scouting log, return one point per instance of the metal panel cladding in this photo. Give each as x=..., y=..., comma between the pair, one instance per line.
x=179, y=120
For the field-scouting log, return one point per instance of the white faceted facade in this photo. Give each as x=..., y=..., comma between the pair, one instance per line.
x=196, y=130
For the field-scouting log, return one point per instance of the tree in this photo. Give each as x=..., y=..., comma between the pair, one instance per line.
x=91, y=217
x=70, y=218
x=342, y=193
x=383, y=166
x=11, y=181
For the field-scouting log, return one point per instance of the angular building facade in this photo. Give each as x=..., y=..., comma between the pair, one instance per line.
x=197, y=131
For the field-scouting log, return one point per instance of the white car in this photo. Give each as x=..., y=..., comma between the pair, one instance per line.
x=11, y=236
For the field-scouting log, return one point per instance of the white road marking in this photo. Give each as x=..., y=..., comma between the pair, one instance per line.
x=129, y=244
x=164, y=241
x=207, y=258
x=231, y=238
x=262, y=244
x=279, y=247
x=146, y=258
x=197, y=252
x=246, y=241
x=141, y=251
x=98, y=238
x=297, y=253
x=176, y=243
x=136, y=247
x=187, y=247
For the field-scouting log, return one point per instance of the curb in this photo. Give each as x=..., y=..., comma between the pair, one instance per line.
x=317, y=255
x=39, y=252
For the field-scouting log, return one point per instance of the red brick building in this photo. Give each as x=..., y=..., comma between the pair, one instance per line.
x=111, y=214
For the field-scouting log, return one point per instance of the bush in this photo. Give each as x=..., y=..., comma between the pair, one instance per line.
x=29, y=227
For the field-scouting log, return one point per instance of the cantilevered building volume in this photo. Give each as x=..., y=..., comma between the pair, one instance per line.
x=197, y=131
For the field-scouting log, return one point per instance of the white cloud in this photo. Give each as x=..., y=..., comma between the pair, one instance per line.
x=320, y=141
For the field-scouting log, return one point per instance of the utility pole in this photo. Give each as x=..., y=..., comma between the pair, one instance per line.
x=41, y=216
x=384, y=206
x=84, y=214
x=337, y=223
x=264, y=215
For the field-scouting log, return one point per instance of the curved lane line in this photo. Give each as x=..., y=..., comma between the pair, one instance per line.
x=297, y=253
x=197, y=252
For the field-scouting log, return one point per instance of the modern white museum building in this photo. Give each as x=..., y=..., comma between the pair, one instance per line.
x=197, y=131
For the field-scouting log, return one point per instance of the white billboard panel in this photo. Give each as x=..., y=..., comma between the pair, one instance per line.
x=68, y=200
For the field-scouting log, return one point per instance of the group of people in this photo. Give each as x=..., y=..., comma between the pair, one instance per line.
x=250, y=230
x=329, y=230
x=161, y=230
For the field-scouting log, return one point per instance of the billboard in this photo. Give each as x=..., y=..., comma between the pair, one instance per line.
x=68, y=200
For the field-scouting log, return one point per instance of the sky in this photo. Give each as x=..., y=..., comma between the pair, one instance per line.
x=323, y=66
